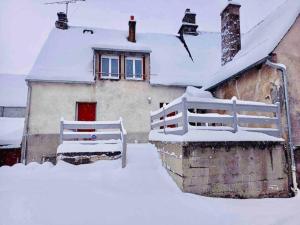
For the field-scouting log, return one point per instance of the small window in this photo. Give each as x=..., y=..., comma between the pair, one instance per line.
x=134, y=68
x=109, y=67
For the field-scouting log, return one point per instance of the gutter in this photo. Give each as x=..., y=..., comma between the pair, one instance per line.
x=212, y=86
x=60, y=81
x=26, y=126
x=119, y=49
x=284, y=74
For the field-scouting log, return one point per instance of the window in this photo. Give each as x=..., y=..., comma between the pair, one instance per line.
x=134, y=68
x=109, y=67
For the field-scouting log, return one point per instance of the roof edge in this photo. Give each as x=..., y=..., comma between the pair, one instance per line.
x=59, y=81
x=263, y=60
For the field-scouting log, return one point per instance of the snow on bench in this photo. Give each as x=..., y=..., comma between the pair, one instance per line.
x=216, y=115
x=93, y=136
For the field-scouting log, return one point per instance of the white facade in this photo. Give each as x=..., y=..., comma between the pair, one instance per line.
x=131, y=100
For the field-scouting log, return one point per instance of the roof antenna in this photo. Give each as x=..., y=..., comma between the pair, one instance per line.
x=67, y=2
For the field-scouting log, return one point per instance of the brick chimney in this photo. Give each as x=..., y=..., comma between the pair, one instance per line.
x=131, y=33
x=230, y=31
x=188, y=25
x=62, y=22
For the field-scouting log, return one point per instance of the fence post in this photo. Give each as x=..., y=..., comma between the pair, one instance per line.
x=278, y=116
x=124, y=153
x=234, y=114
x=185, y=125
x=61, y=130
x=164, y=117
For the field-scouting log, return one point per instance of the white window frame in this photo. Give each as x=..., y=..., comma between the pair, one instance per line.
x=133, y=69
x=109, y=77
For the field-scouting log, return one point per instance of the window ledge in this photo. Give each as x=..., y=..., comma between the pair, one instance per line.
x=109, y=78
x=136, y=79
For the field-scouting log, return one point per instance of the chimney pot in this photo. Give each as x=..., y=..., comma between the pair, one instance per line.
x=188, y=25
x=62, y=22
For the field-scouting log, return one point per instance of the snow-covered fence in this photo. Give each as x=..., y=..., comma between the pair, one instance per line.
x=94, y=130
x=217, y=115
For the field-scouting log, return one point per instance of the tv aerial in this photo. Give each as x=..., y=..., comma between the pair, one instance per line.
x=67, y=2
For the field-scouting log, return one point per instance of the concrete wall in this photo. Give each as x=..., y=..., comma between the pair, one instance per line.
x=128, y=99
x=15, y=112
x=236, y=170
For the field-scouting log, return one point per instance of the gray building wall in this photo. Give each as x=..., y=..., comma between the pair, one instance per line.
x=16, y=112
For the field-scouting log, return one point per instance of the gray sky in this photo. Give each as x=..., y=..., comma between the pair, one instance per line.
x=25, y=24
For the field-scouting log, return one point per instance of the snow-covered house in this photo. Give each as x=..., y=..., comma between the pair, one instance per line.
x=13, y=97
x=264, y=67
x=261, y=65
x=87, y=73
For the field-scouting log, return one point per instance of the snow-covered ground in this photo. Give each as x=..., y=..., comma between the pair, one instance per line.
x=142, y=193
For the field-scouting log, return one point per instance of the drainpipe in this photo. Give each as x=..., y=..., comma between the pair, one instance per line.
x=26, y=125
x=282, y=69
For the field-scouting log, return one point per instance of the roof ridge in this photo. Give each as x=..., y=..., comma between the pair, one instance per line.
x=119, y=30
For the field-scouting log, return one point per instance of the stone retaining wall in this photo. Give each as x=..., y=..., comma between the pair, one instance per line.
x=232, y=169
x=87, y=157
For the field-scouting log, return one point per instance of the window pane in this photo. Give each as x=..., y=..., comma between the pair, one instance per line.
x=114, y=67
x=138, y=68
x=105, y=67
x=129, y=68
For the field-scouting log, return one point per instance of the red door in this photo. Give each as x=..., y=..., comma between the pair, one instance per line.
x=86, y=111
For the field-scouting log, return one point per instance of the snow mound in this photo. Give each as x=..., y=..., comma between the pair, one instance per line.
x=197, y=92
x=141, y=193
x=207, y=135
x=90, y=146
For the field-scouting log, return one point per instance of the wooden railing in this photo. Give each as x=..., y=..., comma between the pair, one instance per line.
x=94, y=130
x=217, y=114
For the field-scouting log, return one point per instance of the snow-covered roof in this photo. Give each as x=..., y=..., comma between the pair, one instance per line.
x=258, y=42
x=11, y=132
x=13, y=90
x=67, y=55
